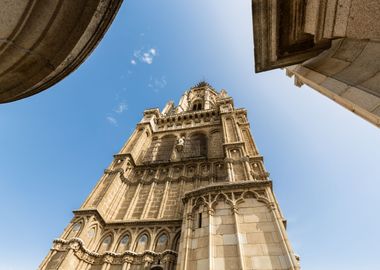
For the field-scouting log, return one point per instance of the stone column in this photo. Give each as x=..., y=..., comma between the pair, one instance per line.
x=210, y=213
x=128, y=260
x=187, y=240
x=148, y=260
x=230, y=171
x=237, y=230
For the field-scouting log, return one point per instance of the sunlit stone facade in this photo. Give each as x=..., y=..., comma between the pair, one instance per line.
x=330, y=45
x=188, y=190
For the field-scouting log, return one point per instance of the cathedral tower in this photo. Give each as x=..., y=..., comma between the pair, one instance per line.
x=188, y=190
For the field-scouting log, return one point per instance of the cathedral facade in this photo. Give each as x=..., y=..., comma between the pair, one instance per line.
x=188, y=190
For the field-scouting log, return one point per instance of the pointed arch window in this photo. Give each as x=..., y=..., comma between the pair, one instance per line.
x=105, y=244
x=142, y=243
x=197, y=105
x=124, y=243
x=160, y=150
x=89, y=236
x=75, y=229
x=162, y=243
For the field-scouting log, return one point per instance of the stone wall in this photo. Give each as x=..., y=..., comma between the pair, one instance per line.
x=348, y=73
x=238, y=227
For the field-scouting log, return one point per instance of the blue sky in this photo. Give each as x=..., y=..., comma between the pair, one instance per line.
x=323, y=159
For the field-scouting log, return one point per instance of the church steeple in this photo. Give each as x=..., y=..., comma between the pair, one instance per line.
x=188, y=190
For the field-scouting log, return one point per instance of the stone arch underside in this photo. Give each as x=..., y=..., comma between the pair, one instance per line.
x=41, y=42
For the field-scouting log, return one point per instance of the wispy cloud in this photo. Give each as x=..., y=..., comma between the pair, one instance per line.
x=121, y=107
x=112, y=120
x=144, y=56
x=157, y=83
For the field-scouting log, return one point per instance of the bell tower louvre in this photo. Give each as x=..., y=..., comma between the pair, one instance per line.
x=188, y=190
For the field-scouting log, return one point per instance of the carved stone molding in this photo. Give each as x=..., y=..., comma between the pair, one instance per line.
x=232, y=197
x=249, y=185
x=97, y=216
x=77, y=245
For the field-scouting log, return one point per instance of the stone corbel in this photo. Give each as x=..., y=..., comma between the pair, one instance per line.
x=108, y=258
x=128, y=259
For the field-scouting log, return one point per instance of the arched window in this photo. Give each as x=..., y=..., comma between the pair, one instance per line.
x=89, y=236
x=160, y=150
x=176, y=242
x=142, y=243
x=196, y=146
x=197, y=105
x=166, y=148
x=75, y=229
x=105, y=244
x=162, y=243
x=123, y=244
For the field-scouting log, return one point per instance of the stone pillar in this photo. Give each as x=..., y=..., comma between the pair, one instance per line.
x=187, y=240
x=210, y=213
x=148, y=260
x=237, y=231
x=127, y=262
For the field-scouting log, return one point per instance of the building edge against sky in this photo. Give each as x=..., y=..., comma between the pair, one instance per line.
x=188, y=190
x=333, y=46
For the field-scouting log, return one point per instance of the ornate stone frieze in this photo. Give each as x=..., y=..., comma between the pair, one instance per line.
x=244, y=186
x=77, y=245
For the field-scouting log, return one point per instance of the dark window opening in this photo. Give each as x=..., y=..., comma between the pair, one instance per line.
x=195, y=146
x=200, y=220
x=197, y=106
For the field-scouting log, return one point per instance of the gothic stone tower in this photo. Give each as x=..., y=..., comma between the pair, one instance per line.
x=187, y=191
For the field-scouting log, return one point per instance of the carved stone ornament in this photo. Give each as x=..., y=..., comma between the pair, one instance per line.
x=180, y=144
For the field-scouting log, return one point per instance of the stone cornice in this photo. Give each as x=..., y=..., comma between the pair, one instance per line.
x=146, y=222
x=241, y=111
x=232, y=144
x=77, y=245
x=169, y=179
x=179, y=128
x=256, y=158
x=187, y=114
x=187, y=161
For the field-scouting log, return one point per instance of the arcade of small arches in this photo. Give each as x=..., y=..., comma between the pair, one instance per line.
x=233, y=199
x=134, y=245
